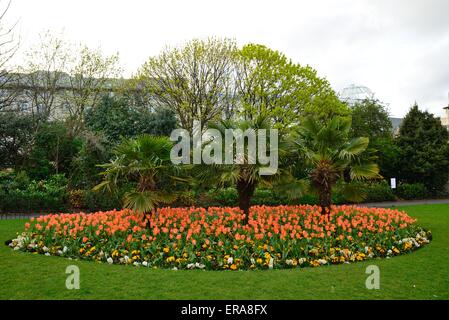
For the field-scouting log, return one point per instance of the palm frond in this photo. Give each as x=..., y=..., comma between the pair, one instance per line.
x=354, y=147
x=146, y=201
x=364, y=171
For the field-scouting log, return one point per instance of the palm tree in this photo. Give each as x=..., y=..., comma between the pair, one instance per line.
x=247, y=176
x=328, y=152
x=143, y=162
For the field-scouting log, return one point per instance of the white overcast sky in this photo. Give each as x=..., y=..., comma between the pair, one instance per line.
x=397, y=48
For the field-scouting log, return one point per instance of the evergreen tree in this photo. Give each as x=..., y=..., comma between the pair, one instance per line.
x=424, y=145
x=370, y=119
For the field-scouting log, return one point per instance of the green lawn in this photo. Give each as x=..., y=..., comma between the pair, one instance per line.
x=423, y=274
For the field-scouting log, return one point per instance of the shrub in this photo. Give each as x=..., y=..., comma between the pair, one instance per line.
x=185, y=199
x=266, y=197
x=76, y=198
x=411, y=191
x=19, y=193
x=53, y=151
x=117, y=118
x=262, y=196
x=16, y=132
x=377, y=192
x=94, y=201
x=225, y=196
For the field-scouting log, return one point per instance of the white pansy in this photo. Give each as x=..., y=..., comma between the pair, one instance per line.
x=109, y=260
x=145, y=264
x=322, y=261
x=19, y=242
x=271, y=263
x=230, y=260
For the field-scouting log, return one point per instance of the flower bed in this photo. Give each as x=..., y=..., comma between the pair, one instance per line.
x=215, y=239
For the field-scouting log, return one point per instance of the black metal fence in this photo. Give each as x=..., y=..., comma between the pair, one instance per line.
x=8, y=216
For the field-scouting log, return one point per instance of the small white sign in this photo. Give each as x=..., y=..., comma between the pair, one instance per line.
x=393, y=183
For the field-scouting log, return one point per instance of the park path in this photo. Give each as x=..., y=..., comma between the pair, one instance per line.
x=386, y=204
x=403, y=203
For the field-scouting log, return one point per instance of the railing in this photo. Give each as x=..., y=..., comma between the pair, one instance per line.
x=9, y=216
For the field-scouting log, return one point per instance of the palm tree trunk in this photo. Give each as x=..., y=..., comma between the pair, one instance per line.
x=245, y=191
x=325, y=198
x=323, y=178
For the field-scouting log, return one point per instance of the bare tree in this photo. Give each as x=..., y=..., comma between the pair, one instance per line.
x=60, y=79
x=92, y=74
x=44, y=77
x=194, y=80
x=9, y=44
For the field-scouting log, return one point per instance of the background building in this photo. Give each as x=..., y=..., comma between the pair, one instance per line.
x=445, y=117
x=354, y=94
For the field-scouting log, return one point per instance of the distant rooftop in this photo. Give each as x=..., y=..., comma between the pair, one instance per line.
x=396, y=123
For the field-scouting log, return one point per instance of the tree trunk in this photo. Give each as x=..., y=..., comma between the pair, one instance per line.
x=323, y=178
x=325, y=198
x=245, y=190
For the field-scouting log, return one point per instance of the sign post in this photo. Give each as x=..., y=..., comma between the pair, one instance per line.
x=393, y=183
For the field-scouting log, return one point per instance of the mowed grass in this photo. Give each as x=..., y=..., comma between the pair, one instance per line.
x=423, y=274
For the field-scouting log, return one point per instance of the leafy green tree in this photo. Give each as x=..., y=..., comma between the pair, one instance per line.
x=161, y=121
x=424, y=145
x=271, y=85
x=388, y=156
x=370, y=119
x=328, y=151
x=113, y=118
x=16, y=135
x=94, y=149
x=116, y=118
x=145, y=164
x=52, y=151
